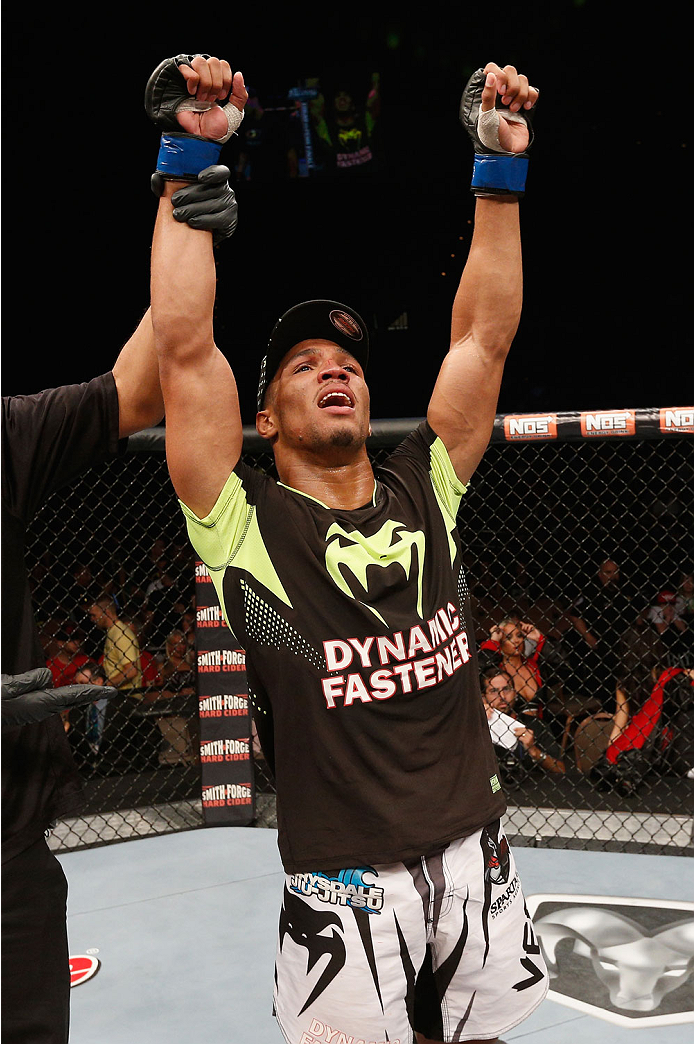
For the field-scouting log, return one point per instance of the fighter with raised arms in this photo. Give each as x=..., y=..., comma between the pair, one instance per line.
x=345, y=588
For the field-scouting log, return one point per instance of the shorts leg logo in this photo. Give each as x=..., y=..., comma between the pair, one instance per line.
x=531, y=947
x=305, y=926
x=346, y=888
x=498, y=856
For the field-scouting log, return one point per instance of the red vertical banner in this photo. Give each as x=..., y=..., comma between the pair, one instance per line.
x=226, y=759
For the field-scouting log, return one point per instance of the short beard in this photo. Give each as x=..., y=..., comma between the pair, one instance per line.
x=345, y=438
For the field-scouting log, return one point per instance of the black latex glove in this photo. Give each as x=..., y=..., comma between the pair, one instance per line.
x=209, y=203
x=28, y=697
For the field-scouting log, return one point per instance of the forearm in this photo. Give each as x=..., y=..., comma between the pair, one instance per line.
x=126, y=673
x=546, y=761
x=487, y=306
x=621, y=715
x=204, y=434
x=485, y=316
x=182, y=287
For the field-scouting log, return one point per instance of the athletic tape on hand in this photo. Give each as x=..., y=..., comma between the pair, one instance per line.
x=234, y=116
x=488, y=128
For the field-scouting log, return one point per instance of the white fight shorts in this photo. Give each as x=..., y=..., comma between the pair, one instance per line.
x=442, y=945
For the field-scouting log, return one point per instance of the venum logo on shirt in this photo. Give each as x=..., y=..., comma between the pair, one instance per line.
x=352, y=552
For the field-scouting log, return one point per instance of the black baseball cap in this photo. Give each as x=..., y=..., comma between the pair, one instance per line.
x=329, y=320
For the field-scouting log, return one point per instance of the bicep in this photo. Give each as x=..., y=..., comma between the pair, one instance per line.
x=204, y=433
x=463, y=404
x=136, y=373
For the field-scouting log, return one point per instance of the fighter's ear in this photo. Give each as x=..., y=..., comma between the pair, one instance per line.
x=265, y=425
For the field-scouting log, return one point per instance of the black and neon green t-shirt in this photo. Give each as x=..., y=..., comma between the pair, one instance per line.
x=360, y=656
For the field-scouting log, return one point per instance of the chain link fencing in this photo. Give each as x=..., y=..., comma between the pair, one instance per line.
x=579, y=553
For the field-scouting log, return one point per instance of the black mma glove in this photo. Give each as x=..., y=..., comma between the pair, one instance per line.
x=28, y=697
x=182, y=156
x=495, y=172
x=209, y=204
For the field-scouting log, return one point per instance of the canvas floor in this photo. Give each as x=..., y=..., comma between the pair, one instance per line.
x=184, y=929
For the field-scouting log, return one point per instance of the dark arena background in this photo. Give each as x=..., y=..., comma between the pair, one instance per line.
x=589, y=471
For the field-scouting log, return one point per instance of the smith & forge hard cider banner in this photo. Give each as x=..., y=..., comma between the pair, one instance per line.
x=226, y=759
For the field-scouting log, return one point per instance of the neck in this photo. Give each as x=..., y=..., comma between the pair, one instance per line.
x=346, y=484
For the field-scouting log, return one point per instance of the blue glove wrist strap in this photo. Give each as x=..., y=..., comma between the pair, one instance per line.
x=497, y=173
x=184, y=156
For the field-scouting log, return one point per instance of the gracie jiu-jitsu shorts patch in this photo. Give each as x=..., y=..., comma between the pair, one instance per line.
x=442, y=944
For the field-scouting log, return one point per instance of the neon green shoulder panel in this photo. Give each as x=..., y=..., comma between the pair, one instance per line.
x=230, y=535
x=448, y=488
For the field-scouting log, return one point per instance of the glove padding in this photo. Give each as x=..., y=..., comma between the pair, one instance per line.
x=496, y=171
x=166, y=94
x=28, y=698
x=208, y=204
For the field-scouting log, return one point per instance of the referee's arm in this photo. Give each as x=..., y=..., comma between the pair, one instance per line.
x=136, y=373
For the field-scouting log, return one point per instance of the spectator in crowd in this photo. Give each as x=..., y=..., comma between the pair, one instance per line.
x=501, y=699
x=177, y=680
x=94, y=716
x=84, y=587
x=640, y=655
x=599, y=616
x=121, y=656
x=665, y=617
x=345, y=128
x=50, y=628
x=69, y=656
x=666, y=610
x=604, y=608
x=659, y=736
x=641, y=658
x=138, y=622
x=156, y=581
x=521, y=650
x=178, y=669
x=165, y=603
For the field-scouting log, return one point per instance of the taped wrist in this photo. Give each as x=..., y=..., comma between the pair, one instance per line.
x=182, y=156
x=499, y=174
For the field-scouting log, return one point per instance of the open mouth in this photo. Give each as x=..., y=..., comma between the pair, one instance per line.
x=336, y=401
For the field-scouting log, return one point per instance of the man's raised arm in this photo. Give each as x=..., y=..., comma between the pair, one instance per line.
x=136, y=374
x=203, y=420
x=487, y=306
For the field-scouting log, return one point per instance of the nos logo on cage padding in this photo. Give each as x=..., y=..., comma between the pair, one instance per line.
x=627, y=961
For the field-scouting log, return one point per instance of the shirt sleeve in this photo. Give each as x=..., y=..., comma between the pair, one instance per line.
x=216, y=536
x=51, y=437
x=449, y=488
x=426, y=452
